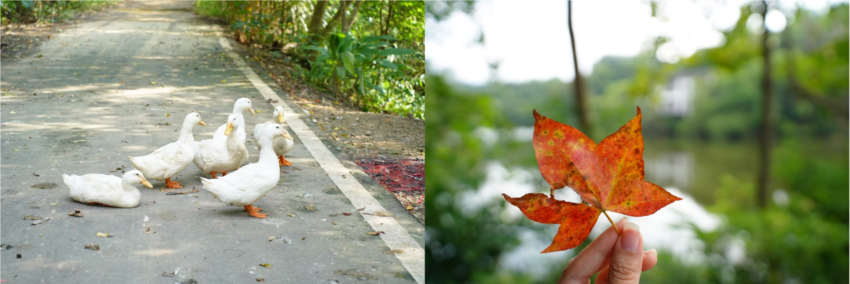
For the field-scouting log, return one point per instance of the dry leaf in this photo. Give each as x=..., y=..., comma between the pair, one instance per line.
x=103, y=235
x=346, y=214
x=409, y=207
x=382, y=213
x=291, y=215
x=76, y=213
x=223, y=80
x=93, y=247
x=376, y=233
x=149, y=231
x=266, y=265
x=30, y=217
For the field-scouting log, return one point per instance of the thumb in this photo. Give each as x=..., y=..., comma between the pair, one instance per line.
x=627, y=258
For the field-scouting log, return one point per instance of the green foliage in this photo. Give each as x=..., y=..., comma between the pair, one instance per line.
x=456, y=252
x=29, y=11
x=376, y=63
x=365, y=64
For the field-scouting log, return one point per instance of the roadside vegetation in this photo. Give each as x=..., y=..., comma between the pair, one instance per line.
x=369, y=54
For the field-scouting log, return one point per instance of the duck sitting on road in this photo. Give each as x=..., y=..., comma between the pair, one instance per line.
x=106, y=190
x=248, y=184
x=172, y=158
x=224, y=153
x=280, y=145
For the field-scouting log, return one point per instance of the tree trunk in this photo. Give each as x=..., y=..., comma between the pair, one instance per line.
x=317, y=17
x=381, y=18
x=766, y=125
x=389, y=21
x=578, y=83
x=347, y=25
x=340, y=13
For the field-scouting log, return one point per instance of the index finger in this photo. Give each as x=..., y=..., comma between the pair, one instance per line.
x=592, y=258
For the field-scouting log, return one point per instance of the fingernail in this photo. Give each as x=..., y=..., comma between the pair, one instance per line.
x=653, y=252
x=631, y=237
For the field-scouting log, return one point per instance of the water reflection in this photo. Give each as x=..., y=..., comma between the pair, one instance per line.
x=670, y=169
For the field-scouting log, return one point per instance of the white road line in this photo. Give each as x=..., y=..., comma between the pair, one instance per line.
x=396, y=237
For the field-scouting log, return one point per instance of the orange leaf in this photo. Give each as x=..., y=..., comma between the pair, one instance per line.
x=576, y=219
x=608, y=176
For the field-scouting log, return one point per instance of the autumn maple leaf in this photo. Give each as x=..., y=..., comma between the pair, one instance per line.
x=608, y=176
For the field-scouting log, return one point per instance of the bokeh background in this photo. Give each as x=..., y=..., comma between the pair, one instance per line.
x=765, y=197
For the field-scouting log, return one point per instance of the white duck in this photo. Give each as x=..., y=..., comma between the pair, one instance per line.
x=222, y=154
x=98, y=189
x=239, y=106
x=248, y=184
x=171, y=159
x=281, y=145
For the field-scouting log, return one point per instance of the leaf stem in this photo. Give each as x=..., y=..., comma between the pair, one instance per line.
x=612, y=222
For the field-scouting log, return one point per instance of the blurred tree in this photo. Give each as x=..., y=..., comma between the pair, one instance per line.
x=766, y=138
x=578, y=82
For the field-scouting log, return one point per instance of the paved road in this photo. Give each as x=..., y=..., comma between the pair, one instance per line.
x=119, y=86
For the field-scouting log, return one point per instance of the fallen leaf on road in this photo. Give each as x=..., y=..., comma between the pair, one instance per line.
x=12, y=112
x=29, y=217
x=122, y=82
x=266, y=265
x=310, y=208
x=183, y=192
x=303, y=238
x=54, y=204
x=261, y=279
x=223, y=80
x=259, y=111
x=271, y=238
x=409, y=207
x=333, y=223
x=153, y=83
x=376, y=233
x=93, y=247
x=382, y=213
x=76, y=213
x=395, y=251
x=168, y=274
x=38, y=222
x=103, y=235
x=78, y=141
x=346, y=213
x=291, y=215
x=149, y=231
x=38, y=56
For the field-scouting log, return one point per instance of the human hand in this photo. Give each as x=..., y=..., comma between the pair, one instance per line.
x=617, y=259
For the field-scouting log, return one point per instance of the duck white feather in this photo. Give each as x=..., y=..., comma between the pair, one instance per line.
x=172, y=158
x=248, y=184
x=105, y=189
x=280, y=145
x=224, y=153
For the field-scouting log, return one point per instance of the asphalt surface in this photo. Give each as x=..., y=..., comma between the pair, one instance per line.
x=119, y=85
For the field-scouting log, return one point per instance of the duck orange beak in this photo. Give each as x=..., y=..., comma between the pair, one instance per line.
x=286, y=135
x=146, y=183
x=202, y=123
x=252, y=110
x=228, y=129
